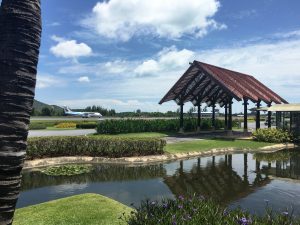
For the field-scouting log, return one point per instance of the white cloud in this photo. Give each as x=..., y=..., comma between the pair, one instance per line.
x=84, y=79
x=121, y=20
x=275, y=64
x=54, y=24
x=46, y=81
x=167, y=60
x=69, y=48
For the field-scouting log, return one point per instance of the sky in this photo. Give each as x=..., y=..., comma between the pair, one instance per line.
x=126, y=55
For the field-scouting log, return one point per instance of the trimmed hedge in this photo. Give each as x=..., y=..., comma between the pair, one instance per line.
x=155, y=125
x=114, y=147
x=86, y=125
x=272, y=135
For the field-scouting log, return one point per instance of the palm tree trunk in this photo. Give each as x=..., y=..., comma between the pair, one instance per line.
x=20, y=36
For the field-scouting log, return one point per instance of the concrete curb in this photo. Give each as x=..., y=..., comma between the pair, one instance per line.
x=147, y=159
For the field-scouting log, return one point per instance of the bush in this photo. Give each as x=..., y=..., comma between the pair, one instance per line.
x=272, y=135
x=156, y=125
x=197, y=210
x=43, y=147
x=66, y=125
x=86, y=125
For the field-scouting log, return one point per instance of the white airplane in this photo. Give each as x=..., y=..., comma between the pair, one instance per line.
x=69, y=112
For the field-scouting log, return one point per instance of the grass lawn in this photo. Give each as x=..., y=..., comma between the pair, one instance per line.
x=55, y=128
x=80, y=210
x=202, y=145
x=141, y=135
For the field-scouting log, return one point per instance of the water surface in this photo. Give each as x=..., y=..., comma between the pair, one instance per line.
x=246, y=180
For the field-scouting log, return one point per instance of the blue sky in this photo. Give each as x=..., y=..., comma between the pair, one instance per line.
x=127, y=54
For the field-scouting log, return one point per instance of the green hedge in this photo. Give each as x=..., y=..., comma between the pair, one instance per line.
x=86, y=125
x=155, y=125
x=43, y=147
x=272, y=135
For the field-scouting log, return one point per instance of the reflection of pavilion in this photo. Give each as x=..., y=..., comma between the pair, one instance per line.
x=218, y=181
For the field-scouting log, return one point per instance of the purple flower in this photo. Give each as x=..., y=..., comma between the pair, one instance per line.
x=181, y=197
x=165, y=205
x=180, y=206
x=153, y=203
x=174, y=222
x=244, y=221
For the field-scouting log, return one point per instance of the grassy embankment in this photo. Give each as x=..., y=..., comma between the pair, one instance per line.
x=208, y=144
x=198, y=145
x=80, y=210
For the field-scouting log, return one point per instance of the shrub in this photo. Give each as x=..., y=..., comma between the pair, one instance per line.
x=156, y=125
x=43, y=147
x=66, y=125
x=86, y=125
x=272, y=135
x=197, y=210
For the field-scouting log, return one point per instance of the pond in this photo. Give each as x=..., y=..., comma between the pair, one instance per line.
x=247, y=180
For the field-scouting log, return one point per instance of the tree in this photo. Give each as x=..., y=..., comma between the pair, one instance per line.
x=46, y=111
x=20, y=36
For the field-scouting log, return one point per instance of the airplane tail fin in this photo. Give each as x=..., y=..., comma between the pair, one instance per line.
x=67, y=109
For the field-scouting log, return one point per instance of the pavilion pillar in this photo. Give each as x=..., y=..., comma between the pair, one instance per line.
x=257, y=115
x=230, y=115
x=226, y=116
x=269, y=116
x=181, y=119
x=246, y=115
x=213, y=121
x=199, y=118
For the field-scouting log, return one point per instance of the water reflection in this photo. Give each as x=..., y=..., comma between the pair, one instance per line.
x=238, y=179
x=214, y=179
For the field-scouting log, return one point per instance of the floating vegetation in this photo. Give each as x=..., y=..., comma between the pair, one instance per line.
x=67, y=170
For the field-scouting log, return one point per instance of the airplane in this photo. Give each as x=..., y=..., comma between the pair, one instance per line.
x=69, y=112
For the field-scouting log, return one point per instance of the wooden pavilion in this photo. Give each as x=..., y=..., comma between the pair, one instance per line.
x=204, y=83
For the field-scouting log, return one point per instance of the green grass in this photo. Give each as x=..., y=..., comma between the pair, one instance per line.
x=55, y=128
x=140, y=135
x=203, y=145
x=80, y=210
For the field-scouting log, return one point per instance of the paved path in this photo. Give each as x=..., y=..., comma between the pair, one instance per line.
x=46, y=133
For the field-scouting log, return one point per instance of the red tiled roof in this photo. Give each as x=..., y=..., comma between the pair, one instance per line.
x=207, y=83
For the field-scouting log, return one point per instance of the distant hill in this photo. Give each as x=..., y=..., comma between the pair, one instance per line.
x=43, y=109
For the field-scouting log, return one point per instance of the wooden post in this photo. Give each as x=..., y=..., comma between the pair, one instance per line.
x=257, y=115
x=230, y=116
x=245, y=115
x=226, y=116
x=199, y=118
x=213, y=121
x=269, y=116
x=181, y=118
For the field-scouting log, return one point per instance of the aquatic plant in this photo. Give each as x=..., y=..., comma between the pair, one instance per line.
x=67, y=170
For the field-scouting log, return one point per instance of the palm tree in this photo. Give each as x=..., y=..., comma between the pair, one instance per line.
x=20, y=35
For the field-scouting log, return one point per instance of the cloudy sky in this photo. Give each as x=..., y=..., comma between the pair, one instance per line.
x=127, y=54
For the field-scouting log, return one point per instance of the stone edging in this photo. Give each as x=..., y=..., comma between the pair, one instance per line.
x=146, y=159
